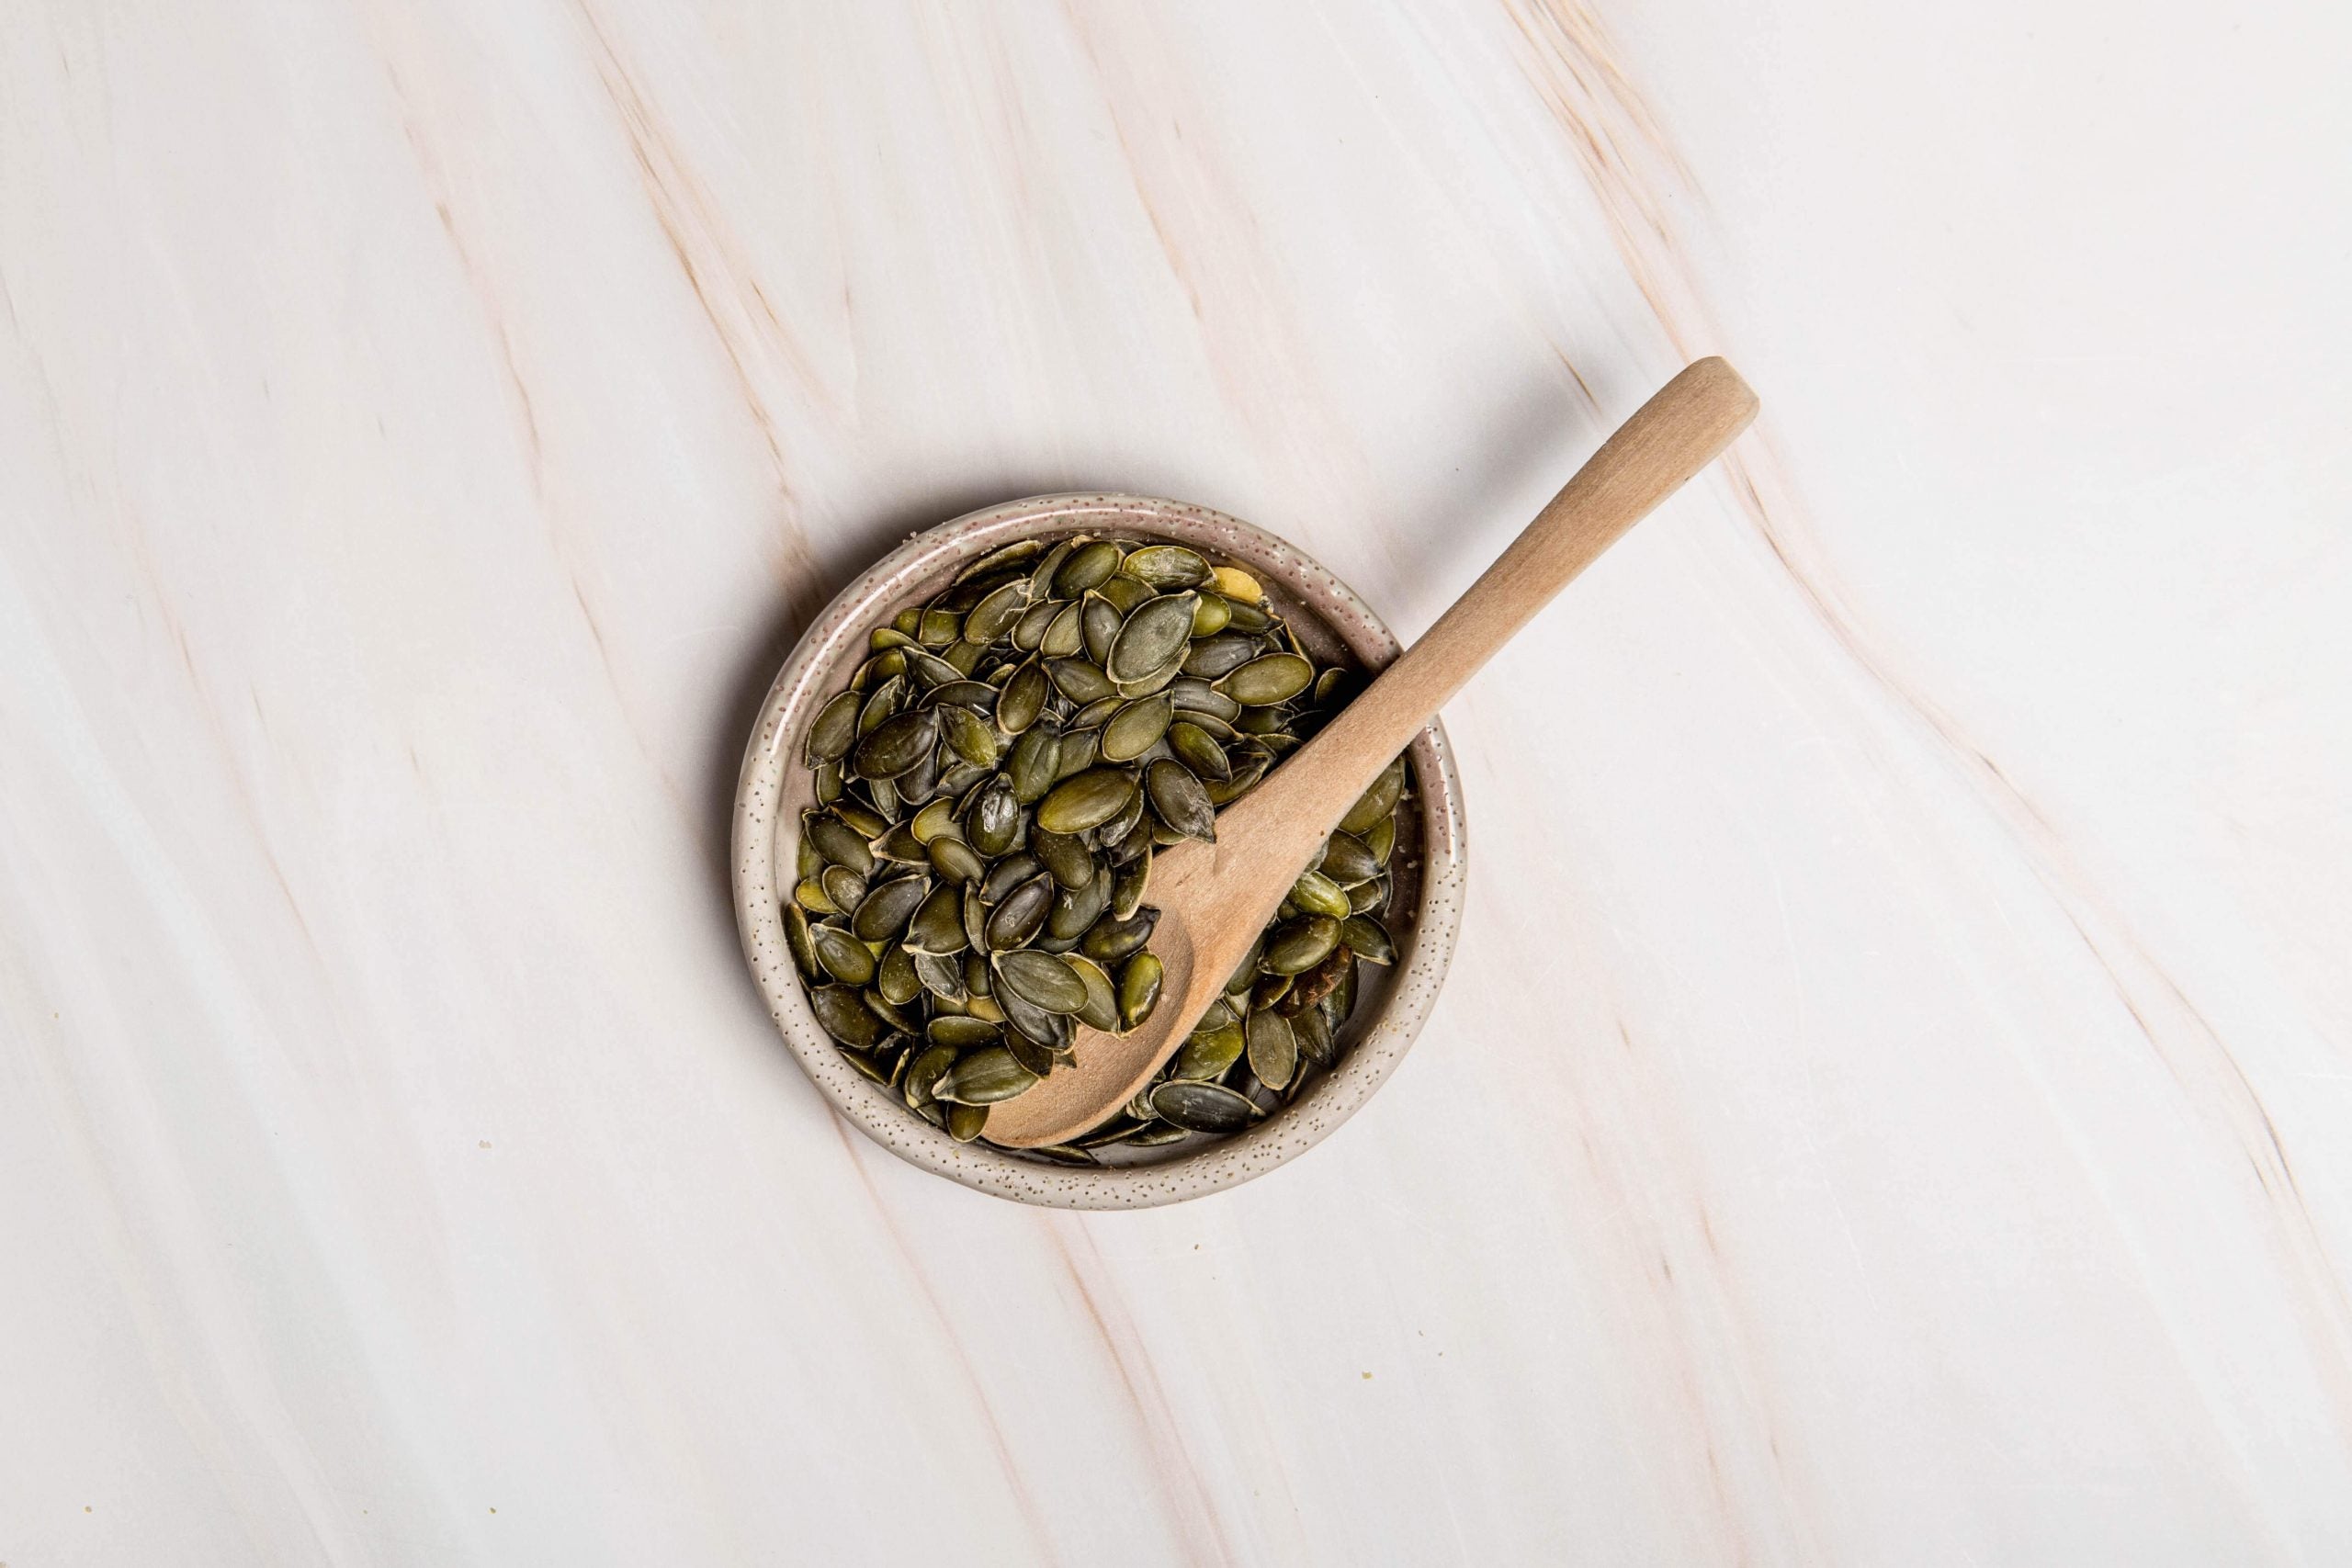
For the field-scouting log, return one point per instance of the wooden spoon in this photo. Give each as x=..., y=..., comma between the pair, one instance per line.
x=1214, y=899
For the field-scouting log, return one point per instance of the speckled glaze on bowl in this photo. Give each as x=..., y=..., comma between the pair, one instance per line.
x=775, y=788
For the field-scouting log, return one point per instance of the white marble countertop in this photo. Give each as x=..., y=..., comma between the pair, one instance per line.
x=1893, y=1101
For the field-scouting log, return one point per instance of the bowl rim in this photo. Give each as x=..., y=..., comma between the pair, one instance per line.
x=918, y=566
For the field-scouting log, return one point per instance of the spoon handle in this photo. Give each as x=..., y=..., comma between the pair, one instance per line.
x=1669, y=438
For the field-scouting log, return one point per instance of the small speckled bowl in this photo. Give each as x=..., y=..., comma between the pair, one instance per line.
x=775, y=788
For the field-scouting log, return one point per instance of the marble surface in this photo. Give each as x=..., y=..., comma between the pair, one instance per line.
x=1894, y=1103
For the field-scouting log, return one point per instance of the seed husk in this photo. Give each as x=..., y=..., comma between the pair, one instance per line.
x=834, y=731
x=1041, y=979
x=796, y=940
x=1140, y=983
x=1301, y=943
x=1273, y=1048
x=1087, y=800
x=1180, y=801
x=1368, y=939
x=1137, y=729
x=1202, y=1106
x=1264, y=682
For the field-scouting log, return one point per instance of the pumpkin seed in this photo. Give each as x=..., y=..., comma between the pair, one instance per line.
x=1236, y=584
x=834, y=731
x=1312, y=1030
x=1180, y=801
x=842, y=1013
x=1211, y=615
x=900, y=844
x=1076, y=908
x=937, y=927
x=1202, y=1106
x=897, y=744
x=1152, y=638
x=1215, y=656
x=1348, y=860
x=1077, y=680
x=1063, y=855
x=895, y=978
x=1137, y=729
x=1368, y=939
x=941, y=974
x=934, y=820
x=1301, y=943
x=1108, y=941
x=993, y=826
x=1100, y=1009
x=886, y=699
x=1036, y=757
x=1378, y=801
x=844, y=890
x=1382, y=839
x=962, y=1033
x=924, y=1073
x=1079, y=753
x=1139, y=983
x=1065, y=635
x=1024, y=911
x=1318, y=894
x=1249, y=619
x=1273, y=1049
x=993, y=617
x=985, y=1076
x=1195, y=748
x=965, y=1122
x=796, y=939
x=1018, y=553
x=1029, y=631
x=844, y=957
x=953, y=859
x=1167, y=566
x=1052, y=1030
x=1273, y=678
x=1087, y=800
x=1023, y=699
x=1128, y=887
x=1041, y=979
x=1088, y=566
x=1098, y=621
x=970, y=736
x=839, y=842
x=886, y=910
x=1209, y=1050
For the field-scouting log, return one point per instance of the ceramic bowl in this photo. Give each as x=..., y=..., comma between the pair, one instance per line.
x=775, y=788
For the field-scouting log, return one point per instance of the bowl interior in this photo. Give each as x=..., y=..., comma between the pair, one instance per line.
x=1336, y=628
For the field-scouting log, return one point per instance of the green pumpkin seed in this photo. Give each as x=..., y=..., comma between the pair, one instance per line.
x=1076, y=908
x=1100, y=1009
x=1128, y=887
x=884, y=911
x=1382, y=839
x=842, y=1013
x=897, y=744
x=933, y=821
x=985, y=1076
x=1249, y=619
x=941, y=974
x=844, y=957
x=867, y=1065
x=1078, y=681
x=886, y=699
x=924, y=1073
x=1007, y=874
x=937, y=628
x=994, y=615
x=1137, y=729
x=1211, y=615
x=1157, y=1133
x=1036, y=757
x=810, y=895
x=1041, y=979
x=1126, y=594
x=1368, y=939
x=1378, y=801
x=1139, y=983
x=1197, y=752
x=971, y=737
x=839, y=842
x=938, y=924
x=1153, y=639
x=966, y=1122
x=1167, y=566
x=1348, y=860
x=1312, y=986
x=962, y=1033
x=1037, y=1058
x=900, y=844
x=1022, y=915
x=1092, y=715
x=1194, y=695
x=1063, y=855
x=1179, y=800
x=1318, y=894
x=955, y=860
x=1054, y=1030
x=993, y=826
x=1065, y=634
x=1029, y=631
x=1018, y=553
x=895, y=977
x=1214, y=658
x=835, y=731
x=1079, y=753
x=1098, y=621
x=1312, y=1030
x=1087, y=800
x=1273, y=1048
x=844, y=890
x=1209, y=1050
x=1024, y=698
x=1301, y=943
x=1088, y=566
x=1202, y=1106
x=1108, y=941
x=1274, y=678
x=796, y=940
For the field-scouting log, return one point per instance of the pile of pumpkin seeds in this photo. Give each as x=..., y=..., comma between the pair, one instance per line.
x=991, y=787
